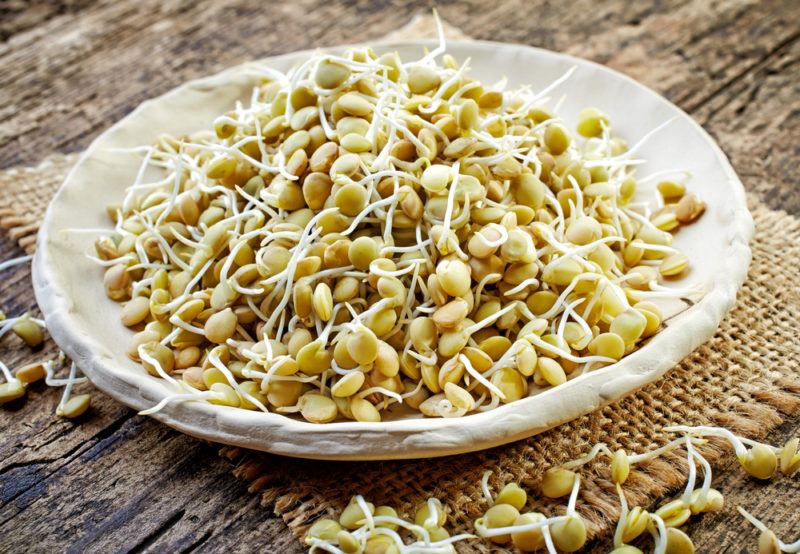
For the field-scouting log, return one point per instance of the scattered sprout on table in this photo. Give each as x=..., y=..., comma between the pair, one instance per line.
x=506, y=523
x=31, y=331
x=362, y=527
x=768, y=542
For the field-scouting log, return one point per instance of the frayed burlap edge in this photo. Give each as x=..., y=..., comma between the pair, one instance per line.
x=746, y=379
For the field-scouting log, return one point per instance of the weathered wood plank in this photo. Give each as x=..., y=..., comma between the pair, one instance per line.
x=757, y=122
x=19, y=16
x=142, y=486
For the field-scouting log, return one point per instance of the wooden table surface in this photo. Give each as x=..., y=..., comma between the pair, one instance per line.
x=114, y=481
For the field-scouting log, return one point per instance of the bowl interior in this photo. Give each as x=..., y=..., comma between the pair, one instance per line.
x=85, y=323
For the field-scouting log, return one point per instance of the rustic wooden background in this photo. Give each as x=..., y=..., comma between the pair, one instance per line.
x=114, y=481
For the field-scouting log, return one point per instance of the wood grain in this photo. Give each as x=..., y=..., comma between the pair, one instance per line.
x=118, y=482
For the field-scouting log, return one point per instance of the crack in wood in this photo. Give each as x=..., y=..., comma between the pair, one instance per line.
x=754, y=67
x=157, y=533
x=67, y=458
x=25, y=464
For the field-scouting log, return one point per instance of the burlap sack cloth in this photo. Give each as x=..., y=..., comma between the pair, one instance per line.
x=746, y=379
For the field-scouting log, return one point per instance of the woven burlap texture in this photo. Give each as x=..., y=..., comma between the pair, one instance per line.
x=746, y=378
x=25, y=193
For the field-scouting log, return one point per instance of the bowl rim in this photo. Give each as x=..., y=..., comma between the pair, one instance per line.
x=404, y=438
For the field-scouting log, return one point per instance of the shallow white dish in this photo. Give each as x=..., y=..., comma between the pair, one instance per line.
x=85, y=323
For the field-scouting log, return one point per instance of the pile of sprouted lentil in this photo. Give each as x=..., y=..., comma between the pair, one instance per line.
x=363, y=528
x=370, y=233
x=31, y=331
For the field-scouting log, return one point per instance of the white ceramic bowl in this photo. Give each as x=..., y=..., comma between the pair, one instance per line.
x=85, y=323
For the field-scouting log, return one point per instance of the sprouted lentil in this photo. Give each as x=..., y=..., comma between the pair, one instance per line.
x=505, y=521
x=361, y=527
x=453, y=243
